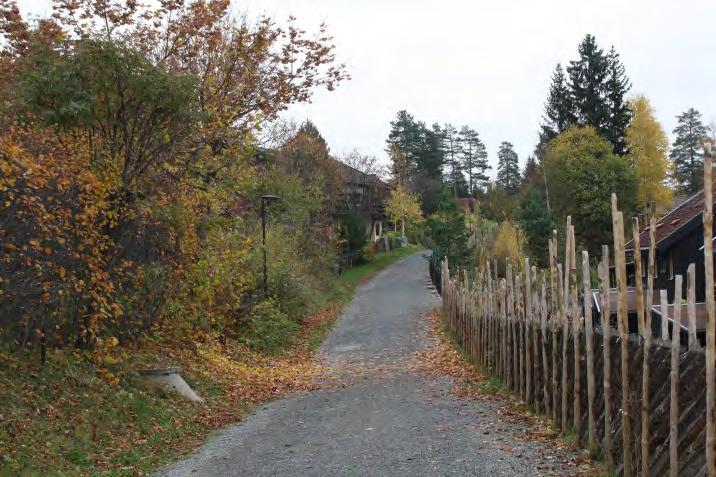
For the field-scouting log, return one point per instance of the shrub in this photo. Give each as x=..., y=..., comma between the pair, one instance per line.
x=270, y=329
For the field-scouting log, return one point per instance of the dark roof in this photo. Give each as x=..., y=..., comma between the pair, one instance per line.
x=353, y=175
x=680, y=219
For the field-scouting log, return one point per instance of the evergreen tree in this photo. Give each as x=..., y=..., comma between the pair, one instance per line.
x=417, y=157
x=404, y=138
x=508, y=170
x=587, y=78
x=536, y=223
x=598, y=85
x=686, y=151
x=617, y=87
x=531, y=174
x=559, y=109
x=310, y=129
x=452, y=148
x=473, y=159
x=447, y=230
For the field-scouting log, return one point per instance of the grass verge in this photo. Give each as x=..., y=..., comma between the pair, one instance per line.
x=66, y=419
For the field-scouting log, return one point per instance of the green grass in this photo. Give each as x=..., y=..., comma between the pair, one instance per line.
x=353, y=276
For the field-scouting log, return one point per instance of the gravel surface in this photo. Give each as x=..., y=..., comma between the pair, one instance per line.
x=375, y=416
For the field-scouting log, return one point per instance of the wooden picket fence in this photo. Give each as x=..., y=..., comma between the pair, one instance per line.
x=644, y=404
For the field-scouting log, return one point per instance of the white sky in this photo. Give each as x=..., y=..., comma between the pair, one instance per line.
x=488, y=63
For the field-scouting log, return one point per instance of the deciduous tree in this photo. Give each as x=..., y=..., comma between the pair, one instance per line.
x=648, y=150
x=403, y=206
x=582, y=172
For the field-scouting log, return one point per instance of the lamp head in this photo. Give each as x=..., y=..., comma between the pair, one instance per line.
x=270, y=197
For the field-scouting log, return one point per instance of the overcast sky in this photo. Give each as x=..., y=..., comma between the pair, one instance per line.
x=488, y=64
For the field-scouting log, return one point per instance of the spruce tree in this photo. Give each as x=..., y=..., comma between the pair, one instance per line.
x=508, y=170
x=473, y=159
x=587, y=77
x=617, y=87
x=559, y=109
x=531, y=174
x=598, y=85
x=686, y=151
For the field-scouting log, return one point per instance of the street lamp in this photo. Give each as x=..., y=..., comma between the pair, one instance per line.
x=264, y=200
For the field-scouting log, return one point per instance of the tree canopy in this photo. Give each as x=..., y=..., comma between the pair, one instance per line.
x=648, y=150
x=582, y=172
x=686, y=151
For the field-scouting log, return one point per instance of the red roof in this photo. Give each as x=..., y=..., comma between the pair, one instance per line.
x=678, y=217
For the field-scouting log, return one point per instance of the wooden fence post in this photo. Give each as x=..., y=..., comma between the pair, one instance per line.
x=623, y=320
x=674, y=401
x=545, y=362
x=605, y=299
x=515, y=334
x=534, y=329
x=691, y=306
x=554, y=320
x=646, y=363
x=576, y=331
x=565, y=339
x=710, y=323
x=589, y=340
x=510, y=314
x=525, y=333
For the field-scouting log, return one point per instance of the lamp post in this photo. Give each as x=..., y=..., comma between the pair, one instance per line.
x=264, y=200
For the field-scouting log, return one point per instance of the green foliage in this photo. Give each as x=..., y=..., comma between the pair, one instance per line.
x=473, y=159
x=508, y=170
x=582, y=172
x=536, y=224
x=686, y=151
x=497, y=204
x=448, y=232
x=354, y=236
x=270, y=329
x=558, y=110
x=592, y=94
x=135, y=111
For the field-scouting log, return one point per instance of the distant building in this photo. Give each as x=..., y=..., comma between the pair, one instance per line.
x=364, y=195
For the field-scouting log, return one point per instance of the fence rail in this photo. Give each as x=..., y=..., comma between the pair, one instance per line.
x=645, y=404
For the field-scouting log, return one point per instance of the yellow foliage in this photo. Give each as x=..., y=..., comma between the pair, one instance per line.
x=648, y=148
x=509, y=244
x=403, y=205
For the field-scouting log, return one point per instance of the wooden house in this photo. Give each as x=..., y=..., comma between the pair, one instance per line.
x=364, y=195
x=679, y=242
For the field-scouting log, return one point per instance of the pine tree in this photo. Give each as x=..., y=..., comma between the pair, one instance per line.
x=420, y=147
x=404, y=137
x=473, y=159
x=617, y=87
x=686, y=151
x=452, y=148
x=508, y=170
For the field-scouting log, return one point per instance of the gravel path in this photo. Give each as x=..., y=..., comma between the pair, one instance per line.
x=381, y=418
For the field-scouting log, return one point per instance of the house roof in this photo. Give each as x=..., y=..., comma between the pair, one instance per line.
x=353, y=175
x=680, y=219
